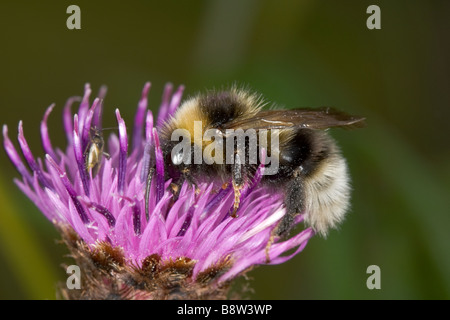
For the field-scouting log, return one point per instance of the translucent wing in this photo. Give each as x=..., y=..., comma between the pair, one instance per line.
x=318, y=118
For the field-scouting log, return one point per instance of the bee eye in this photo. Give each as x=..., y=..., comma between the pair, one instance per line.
x=177, y=158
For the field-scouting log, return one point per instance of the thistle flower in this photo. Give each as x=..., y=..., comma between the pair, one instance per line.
x=188, y=248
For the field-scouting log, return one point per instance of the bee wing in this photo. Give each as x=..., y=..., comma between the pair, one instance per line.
x=318, y=118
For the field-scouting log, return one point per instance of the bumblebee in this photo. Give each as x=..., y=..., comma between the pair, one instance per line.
x=311, y=172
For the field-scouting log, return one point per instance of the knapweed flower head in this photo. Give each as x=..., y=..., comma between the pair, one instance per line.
x=94, y=192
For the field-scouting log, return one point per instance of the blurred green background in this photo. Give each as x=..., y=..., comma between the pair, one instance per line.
x=297, y=53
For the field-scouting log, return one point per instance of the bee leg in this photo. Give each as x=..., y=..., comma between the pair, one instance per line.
x=107, y=155
x=147, y=190
x=294, y=205
x=238, y=183
x=175, y=188
x=186, y=173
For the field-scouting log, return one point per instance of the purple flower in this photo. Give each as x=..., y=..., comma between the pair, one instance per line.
x=189, y=247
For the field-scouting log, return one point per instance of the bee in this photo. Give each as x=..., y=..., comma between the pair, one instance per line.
x=311, y=173
x=94, y=151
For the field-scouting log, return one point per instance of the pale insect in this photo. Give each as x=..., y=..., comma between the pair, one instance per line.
x=94, y=151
